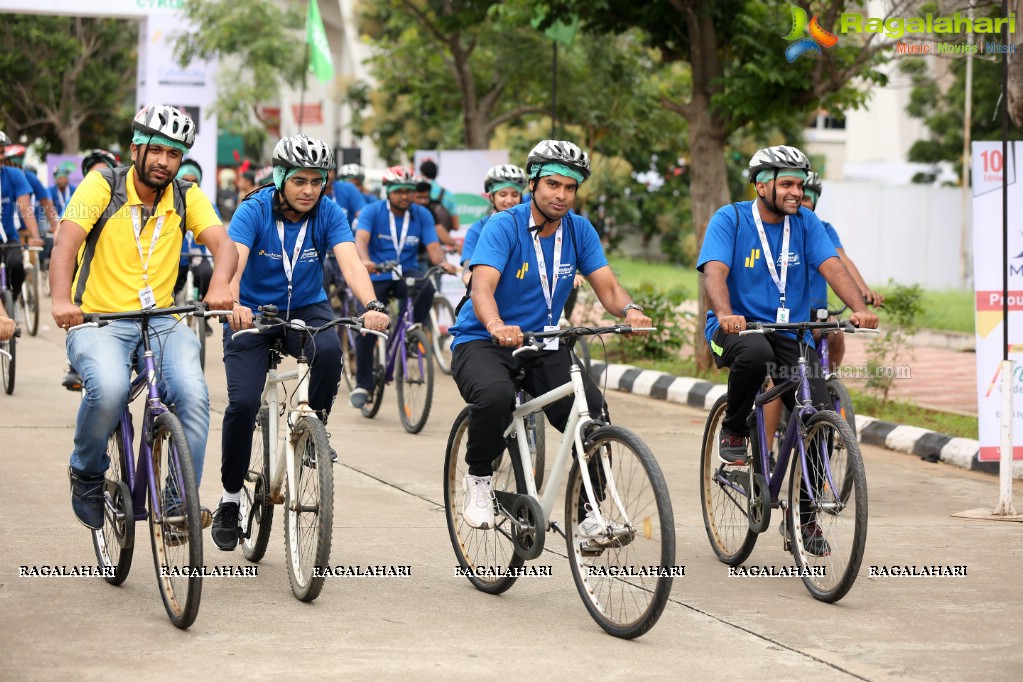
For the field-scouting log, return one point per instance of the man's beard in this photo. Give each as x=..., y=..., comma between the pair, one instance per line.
x=149, y=182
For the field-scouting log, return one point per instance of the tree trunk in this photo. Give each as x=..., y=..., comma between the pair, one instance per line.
x=476, y=126
x=70, y=138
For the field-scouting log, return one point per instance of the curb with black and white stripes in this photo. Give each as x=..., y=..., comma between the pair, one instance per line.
x=928, y=445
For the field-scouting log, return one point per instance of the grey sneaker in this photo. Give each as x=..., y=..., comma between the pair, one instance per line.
x=478, y=501
x=732, y=448
x=358, y=398
x=87, y=498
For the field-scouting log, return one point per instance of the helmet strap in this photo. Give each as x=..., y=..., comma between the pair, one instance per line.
x=532, y=199
x=773, y=206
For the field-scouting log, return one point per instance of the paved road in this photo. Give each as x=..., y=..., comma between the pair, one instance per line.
x=433, y=625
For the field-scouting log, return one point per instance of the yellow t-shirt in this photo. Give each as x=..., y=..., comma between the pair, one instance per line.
x=115, y=273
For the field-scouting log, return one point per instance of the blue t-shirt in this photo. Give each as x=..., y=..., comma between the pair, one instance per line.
x=472, y=237
x=264, y=281
x=421, y=229
x=349, y=198
x=40, y=192
x=12, y=185
x=59, y=202
x=819, y=285
x=507, y=245
x=753, y=293
x=369, y=197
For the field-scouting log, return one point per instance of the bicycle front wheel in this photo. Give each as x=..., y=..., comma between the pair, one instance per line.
x=175, y=527
x=29, y=299
x=309, y=510
x=442, y=318
x=724, y=495
x=347, y=356
x=376, y=397
x=256, y=508
x=198, y=325
x=7, y=364
x=624, y=573
x=828, y=534
x=413, y=375
x=484, y=555
x=115, y=541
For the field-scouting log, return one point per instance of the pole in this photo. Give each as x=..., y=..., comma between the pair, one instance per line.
x=964, y=263
x=1005, y=507
x=301, y=97
x=554, y=91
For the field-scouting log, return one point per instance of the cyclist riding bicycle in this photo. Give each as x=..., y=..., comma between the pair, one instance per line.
x=283, y=233
x=117, y=250
x=503, y=185
x=44, y=211
x=747, y=282
x=379, y=239
x=356, y=174
x=16, y=195
x=525, y=257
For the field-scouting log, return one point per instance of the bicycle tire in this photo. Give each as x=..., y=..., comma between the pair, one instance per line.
x=605, y=571
x=176, y=532
x=442, y=318
x=115, y=541
x=484, y=556
x=198, y=325
x=724, y=500
x=841, y=525
x=413, y=381
x=844, y=407
x=8, y=365
x=370, y=409
x=29, y=300
x=307, y=529
x=347, y=356
x=256, y=491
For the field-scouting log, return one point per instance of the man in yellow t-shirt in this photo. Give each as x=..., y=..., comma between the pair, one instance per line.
x=117, y=251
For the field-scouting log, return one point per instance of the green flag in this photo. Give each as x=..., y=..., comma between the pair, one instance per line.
x=559, y=31
x=320, y=62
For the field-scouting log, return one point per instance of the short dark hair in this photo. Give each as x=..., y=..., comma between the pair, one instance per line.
x=429, y=169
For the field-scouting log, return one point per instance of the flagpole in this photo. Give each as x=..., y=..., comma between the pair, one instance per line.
x=301, y=97
x=554, y=91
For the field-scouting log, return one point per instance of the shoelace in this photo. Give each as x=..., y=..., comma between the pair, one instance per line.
x=480, y=498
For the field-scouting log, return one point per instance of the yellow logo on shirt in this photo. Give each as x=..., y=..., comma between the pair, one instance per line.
x=521, y=272
x=751, y=260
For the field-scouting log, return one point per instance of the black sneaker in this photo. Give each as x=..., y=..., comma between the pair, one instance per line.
x=813, y=540
x=225, y=526
x=87, y=498
x=732, y=448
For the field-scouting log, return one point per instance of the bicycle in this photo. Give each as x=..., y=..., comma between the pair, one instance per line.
x=825, y=514
x=28, y=301
x=162, y=477
x=8, y=360
x=624, y=578
x=412, y=371
x=346, y=306
x=189, y=295
x=442, y=318
x=301, y=478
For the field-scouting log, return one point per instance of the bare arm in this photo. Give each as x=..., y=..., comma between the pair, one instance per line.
x=614, y=298
x=362, y=248
x=225, y=264
x=51, y=213
x=715, y=283
x=842, y=282
x=241, y=317
x=28, y=219
x=437, y=257
x=484, y=282
x=62, y=267
x=357, y=277
x=873, y=298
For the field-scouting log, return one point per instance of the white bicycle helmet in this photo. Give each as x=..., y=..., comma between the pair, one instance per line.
x=812, y=183
x=302, y=151
x=558, y=151
x=777, y=158
x=4, y=140
x=504, y=173
x=156, y=119
x=352, y=170
x=399, y=175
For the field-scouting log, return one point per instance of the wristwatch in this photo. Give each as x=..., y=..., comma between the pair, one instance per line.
x=376, y=306
x=631, y=306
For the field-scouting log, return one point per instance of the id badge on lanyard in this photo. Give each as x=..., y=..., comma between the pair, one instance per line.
x=549, y=287
x=399, y=244
x=146, y=296
x=782, y=314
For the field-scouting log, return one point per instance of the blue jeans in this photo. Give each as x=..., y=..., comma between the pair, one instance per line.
x=103, y=358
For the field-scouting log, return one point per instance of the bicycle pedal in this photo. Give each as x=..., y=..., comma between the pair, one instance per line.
x=206, y=516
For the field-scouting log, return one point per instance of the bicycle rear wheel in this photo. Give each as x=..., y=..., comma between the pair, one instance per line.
x=413, y=379
x=309, y=510
x=175, y=528
x=256, y=508
x=724, y=495
x=198, y=325
x=376, y=396
x=29, y=300
x=828, y=534
x=442, y=318
x=115, y=541
x=625, y=576
x=347, y=356
x=8, y=364
x=483, y=555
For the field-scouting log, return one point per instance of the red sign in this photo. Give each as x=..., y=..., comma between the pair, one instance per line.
x=307, y=113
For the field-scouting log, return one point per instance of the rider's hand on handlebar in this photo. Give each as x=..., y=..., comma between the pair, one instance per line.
x=864, y=320
x=448, y=268
x=731, y=324
x=36, y=241
x=873, y=298
x=67, y=315
x=219, y=297
x=376, y=321
x=371, y=267
x=506, y=335
x=241, y=317
x=7, y=327
x=635, y=319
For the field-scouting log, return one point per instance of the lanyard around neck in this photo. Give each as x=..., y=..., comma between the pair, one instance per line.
x=399, y=243
x=137, y=227
x=289, y=264
x=547, y=286
x=778, y=281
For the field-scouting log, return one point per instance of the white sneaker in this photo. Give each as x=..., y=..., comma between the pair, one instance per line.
x=590, y=528
x=478, y=501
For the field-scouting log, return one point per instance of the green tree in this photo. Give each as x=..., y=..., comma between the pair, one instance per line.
x=63, y=79
x=739, y=76
x=261, y=48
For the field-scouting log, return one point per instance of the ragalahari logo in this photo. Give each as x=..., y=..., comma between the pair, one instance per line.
x=800, y=45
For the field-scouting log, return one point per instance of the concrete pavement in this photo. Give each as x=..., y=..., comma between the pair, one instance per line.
x=434, y=625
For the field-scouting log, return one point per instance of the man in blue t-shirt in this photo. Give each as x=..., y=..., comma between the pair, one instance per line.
x=283, y=234
x=756, y=259
x=522, y=270
x=42, y=205
x=62, y=189
x=392, y=230
x=15, y=193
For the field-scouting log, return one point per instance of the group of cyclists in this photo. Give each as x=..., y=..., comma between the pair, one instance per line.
x=125, y=235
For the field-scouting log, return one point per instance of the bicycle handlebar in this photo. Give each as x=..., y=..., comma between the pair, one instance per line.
x=840, y=326
x=269, y=320
x=103, y=319
x=533, y=341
